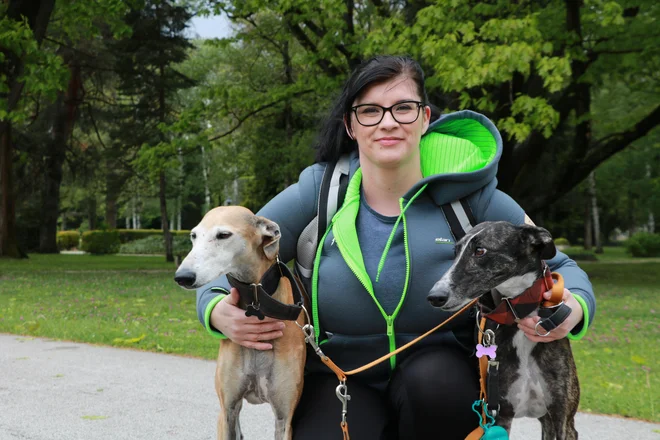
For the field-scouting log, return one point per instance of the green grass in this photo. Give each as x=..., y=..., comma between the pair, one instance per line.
x=112, y=300
x=132, y=302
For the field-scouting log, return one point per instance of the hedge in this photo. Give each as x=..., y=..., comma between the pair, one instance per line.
x=67, y=240
x=128, y=235
x=644, y=244
x=101, y=242
x=156, y=245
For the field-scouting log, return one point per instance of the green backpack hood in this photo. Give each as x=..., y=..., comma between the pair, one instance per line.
x=459, y=155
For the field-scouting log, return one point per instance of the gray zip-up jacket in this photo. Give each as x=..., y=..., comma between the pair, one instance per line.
x=459, y=157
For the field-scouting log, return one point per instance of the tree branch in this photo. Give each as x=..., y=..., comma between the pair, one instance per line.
x=254, y=112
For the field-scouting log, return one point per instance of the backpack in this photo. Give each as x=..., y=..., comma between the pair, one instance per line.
x=331, y=196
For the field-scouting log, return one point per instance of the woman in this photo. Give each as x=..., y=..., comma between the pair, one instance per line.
x=382, y=253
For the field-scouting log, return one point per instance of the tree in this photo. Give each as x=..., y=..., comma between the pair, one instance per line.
x=23, y=25
x=149, y=80
x=533, y=67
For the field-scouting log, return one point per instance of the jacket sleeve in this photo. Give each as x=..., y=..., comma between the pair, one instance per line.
x=292, y=210
x=490, y=204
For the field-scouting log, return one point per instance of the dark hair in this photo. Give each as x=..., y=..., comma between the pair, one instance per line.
x=333, y=140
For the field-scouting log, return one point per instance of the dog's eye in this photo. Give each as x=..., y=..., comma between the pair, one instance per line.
x=480, y=252
x=222, y=235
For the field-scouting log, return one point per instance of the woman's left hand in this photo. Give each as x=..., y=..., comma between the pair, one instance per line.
x=527, y=324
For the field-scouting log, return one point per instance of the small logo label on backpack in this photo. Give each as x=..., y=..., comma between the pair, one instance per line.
x=441, y=240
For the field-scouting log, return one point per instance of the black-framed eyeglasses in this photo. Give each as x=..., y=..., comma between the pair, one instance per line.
x=405, y=112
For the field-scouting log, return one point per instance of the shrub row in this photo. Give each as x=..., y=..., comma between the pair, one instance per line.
x=111, y=241
x=67, y=240
x=128, y=235
x=101, y=242
x=155, y=245
x=644, y=244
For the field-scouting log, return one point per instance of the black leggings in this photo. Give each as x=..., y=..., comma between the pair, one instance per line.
x=430, y=396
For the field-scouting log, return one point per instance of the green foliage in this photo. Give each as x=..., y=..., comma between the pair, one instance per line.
x=561, y=241
x=154, y=245
x=101, y=242
x=67, y=240
x=644, y=244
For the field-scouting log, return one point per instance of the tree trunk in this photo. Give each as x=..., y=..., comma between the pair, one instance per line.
x=651, y=221
x=91, y=212
x=179, y=196
x=207, y=191
x=594, y=212
x=588, y=231
x=8, y=242
x=163, y=217
x=64, y=117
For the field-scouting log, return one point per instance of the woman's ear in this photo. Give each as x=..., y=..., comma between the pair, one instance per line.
x=427, y=118
x=348, y=129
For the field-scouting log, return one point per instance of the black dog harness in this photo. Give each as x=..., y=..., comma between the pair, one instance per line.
x=259, y=296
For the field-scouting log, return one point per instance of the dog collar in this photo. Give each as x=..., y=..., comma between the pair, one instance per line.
x=259, y=296
x=510, y=311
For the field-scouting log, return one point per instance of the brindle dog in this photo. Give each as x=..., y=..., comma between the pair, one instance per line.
x=536, y=380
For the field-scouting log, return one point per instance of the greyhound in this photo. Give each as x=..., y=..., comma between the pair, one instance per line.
x=232, y=240
x=535, y=380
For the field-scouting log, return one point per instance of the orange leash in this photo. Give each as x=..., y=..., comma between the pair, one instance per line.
x=342, y=391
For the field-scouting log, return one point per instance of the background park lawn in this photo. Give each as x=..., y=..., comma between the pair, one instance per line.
x=133, y=302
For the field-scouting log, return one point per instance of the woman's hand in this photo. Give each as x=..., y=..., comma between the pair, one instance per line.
x=527, y=324
x=247, y=331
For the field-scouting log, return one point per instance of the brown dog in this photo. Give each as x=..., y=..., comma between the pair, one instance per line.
x=232, y=240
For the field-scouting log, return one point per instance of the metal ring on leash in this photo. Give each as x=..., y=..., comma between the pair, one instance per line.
x=309, y=321
x=536, y=330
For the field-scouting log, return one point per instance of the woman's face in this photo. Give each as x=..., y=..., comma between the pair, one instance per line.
x=389, y=144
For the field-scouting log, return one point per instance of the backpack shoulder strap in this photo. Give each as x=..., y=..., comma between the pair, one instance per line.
x=460, y=217
x=331, y=194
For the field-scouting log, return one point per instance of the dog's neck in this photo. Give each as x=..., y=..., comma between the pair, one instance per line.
x=252, y=274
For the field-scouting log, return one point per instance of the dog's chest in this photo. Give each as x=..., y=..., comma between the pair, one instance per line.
x=523, y=387
x=258, y=366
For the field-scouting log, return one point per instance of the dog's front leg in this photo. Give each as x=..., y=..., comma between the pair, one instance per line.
x=229, y=427
x=230, y=386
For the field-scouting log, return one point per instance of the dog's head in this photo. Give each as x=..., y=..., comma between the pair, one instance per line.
x=493, y=255
x=229, y=239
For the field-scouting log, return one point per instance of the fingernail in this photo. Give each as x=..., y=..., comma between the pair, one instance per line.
x=282, y=326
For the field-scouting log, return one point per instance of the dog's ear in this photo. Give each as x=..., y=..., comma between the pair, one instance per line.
x=540, y=240
x=270, y=236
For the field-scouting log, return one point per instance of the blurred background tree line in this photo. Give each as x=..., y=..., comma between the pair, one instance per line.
x=113, y=116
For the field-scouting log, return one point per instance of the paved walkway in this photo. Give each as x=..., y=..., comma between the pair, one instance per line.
x=52, y=390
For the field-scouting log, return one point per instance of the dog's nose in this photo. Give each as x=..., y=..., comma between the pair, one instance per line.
x=185, y=278
x=437, y=299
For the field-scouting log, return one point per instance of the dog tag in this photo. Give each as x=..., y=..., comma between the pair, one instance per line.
x=254, y=311
x=489, y=351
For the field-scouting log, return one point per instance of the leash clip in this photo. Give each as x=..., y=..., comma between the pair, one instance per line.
x=344, y=397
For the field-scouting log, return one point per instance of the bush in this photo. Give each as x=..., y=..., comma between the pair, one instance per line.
x=561, y=241
x=644, y=244
x=155, y=244
x=67, y=240
x=128, y=235
x=101, y=242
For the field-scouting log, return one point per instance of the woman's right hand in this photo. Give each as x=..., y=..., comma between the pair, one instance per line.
x=247, y=331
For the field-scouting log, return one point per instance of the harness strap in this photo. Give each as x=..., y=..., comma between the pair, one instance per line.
x=259, y=297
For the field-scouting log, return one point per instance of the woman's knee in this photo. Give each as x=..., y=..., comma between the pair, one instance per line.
x=433, y=391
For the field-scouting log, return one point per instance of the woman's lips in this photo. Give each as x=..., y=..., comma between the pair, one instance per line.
x=388, y=141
